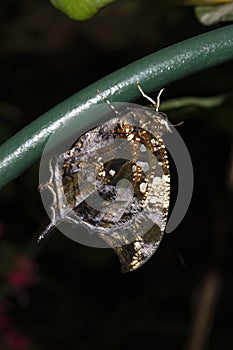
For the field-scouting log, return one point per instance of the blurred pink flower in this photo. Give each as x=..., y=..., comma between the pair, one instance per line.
x=24, y=273
x=4, y=318
x=15, y=341
x=4, y=321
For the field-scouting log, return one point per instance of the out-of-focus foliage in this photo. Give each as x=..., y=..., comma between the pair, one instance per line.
x=80, y=9
x=207, y=11
x=210, y=12
x=202, y=2
x=188, y=101
x=209, y=15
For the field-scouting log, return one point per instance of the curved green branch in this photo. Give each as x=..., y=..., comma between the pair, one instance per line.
x=154, y=71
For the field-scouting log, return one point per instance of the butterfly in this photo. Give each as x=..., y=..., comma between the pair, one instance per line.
x=115, y=182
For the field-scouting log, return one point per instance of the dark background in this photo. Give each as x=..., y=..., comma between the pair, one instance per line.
x=67, y=296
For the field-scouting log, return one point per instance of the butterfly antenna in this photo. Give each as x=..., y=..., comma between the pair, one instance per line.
x=107, y=101
x=155, y=104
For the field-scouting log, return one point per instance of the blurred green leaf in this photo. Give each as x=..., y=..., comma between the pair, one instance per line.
x=209, y=15
x=80, y=9
x=202, y=102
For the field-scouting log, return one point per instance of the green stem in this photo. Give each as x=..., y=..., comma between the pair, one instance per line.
x=153, y=71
